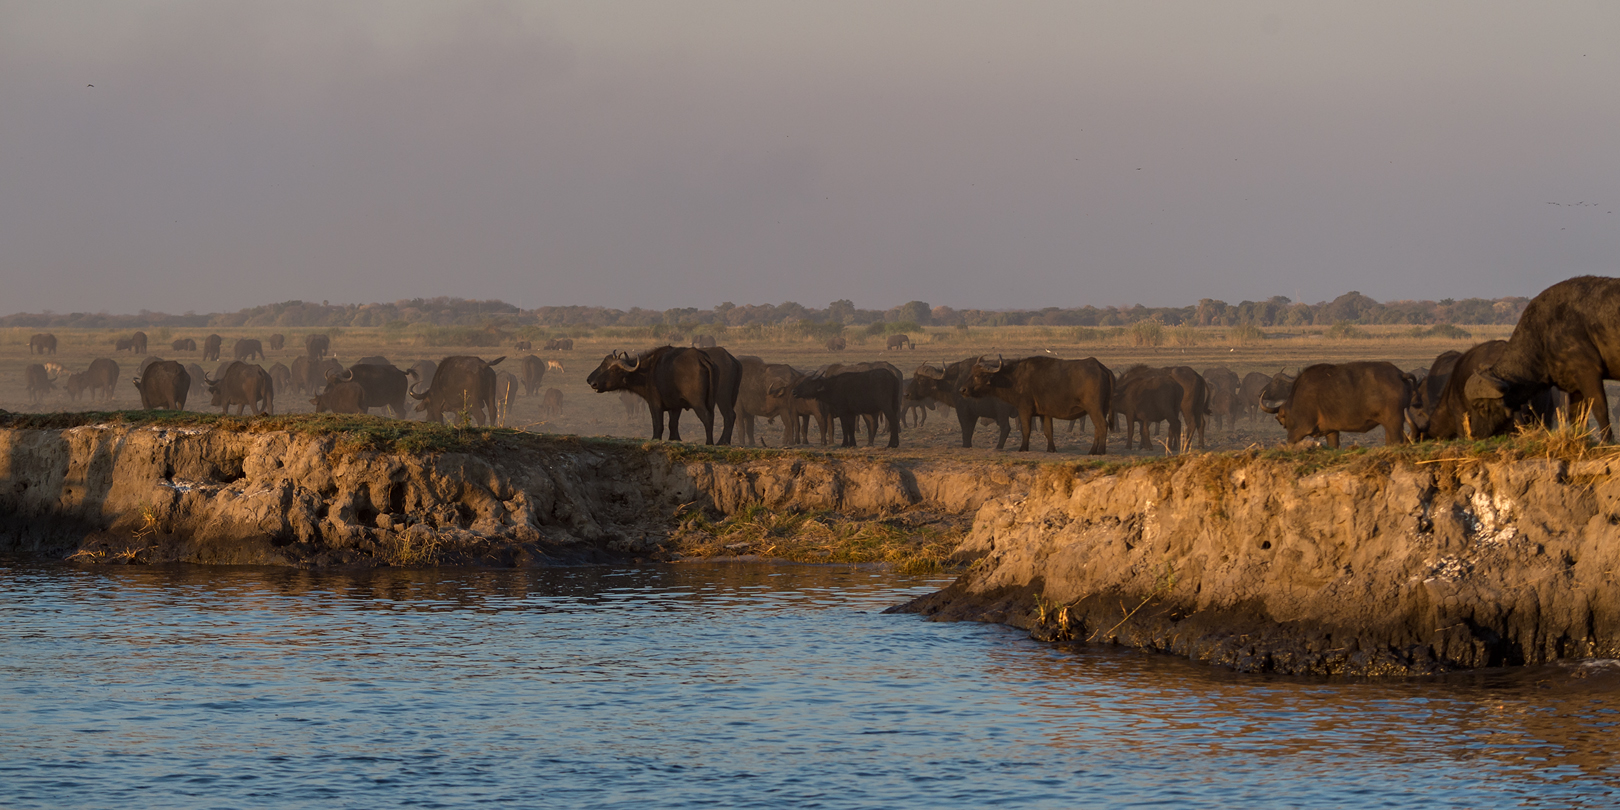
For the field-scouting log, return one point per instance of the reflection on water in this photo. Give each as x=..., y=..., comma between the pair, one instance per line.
x=710, y=685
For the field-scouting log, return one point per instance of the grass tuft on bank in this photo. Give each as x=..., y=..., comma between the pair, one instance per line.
x=910, y=542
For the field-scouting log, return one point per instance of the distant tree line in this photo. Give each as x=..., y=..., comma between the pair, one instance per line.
x=1279, y=311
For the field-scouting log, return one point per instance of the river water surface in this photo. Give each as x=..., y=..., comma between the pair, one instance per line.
x=729, y=685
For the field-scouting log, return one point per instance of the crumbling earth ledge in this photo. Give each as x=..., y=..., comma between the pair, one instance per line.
x=1379, y=564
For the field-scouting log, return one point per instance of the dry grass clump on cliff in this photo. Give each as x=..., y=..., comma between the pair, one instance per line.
x=911, y=542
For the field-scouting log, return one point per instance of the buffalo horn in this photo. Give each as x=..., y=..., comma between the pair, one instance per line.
x=346, y=376
x=1272, y=405
x=412, y=391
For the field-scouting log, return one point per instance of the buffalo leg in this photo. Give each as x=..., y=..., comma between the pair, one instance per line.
x=894, y=431
x=1051, y=446
x=1173, y=435
x=1599, y=400
x=675, y=425
x=1333, y=439
x=745, y=427
x=658, y=422
x=848, y=423
x=1026, y=427
x=1099, y=439
x=871, y=421
x=1004, y=425
x=707, y=418
x=966, y=420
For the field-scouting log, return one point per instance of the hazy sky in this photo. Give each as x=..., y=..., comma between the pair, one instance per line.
x=659, y=154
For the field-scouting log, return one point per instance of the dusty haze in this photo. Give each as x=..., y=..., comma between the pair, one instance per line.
x=684, y=154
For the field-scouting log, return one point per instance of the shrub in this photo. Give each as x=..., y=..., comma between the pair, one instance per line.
x=1345, y=330
x=1147, y=333
x=1184, y=335
x=1245, y=334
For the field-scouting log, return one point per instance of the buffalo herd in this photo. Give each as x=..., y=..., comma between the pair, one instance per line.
x=1566, y=343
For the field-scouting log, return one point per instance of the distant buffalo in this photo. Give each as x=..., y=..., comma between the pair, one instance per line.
x=211, y=346
x=184, y=345
x=1327, y=399
x=317, y=346
x=384, y=385
x=552, y=403
x=1049, y=388
x=38, y=381
x=460, y=382
x=278, y=341
x=523, y=346
x=560, y=344
x=703, y=342
x=101, y=376
x=533, y=372
x=836, y=344
x=42, y=343
x=243, y=385
x=248, y=349
x=164, y=384
x=340, y=397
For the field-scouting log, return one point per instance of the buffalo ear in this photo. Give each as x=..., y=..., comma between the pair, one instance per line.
x=1482, y=385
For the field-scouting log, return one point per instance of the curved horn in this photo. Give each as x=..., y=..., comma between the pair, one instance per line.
x=412, y=392
x=1272, y=405
x=346, y=376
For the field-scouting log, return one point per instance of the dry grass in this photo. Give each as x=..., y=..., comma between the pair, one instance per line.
x=910, y=542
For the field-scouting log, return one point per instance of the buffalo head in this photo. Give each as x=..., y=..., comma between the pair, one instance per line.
x=984, y=376
x=614, y=372
x=1275, y=395
x=1487, y=404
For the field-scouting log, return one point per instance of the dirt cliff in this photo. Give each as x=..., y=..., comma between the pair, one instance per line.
x=1376, y=564
x=234, y=492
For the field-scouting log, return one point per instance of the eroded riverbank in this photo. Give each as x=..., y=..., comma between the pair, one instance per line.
x=1380, y=562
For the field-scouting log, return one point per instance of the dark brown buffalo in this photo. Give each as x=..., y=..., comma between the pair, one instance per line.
x=1427, y=396
x=123, y=345
x=301, y=367
x=164, y=384
x=533, y=371
x=42, y=343
x=727, y=381
x=137, y=343
x=244, y=385
x=76, y=384
x=101, y=376
x=211, y=346
x=560, y=344
x=184, y=345
x=317, y=346
x=1224, y=407
x=373, y=360
x=1050, y=388
x=1327, y=399
x=751, y=397
x=1569, y=337
x=795, y=413
x=146, y=361
x=846, y=395
x=38, y=381
x=551, y=404
x=836, y=343
x=340, y=397
x=704, y=342
x=670, y=379
x=523, y=346
x=1249, y=392
x=1148, y=396
x=460, y=382
x=1194, y=402
x=945, y=385
x=198, y=387
x=278, y=342
x=385, y=386
x=318, y=371
x=248, y=348
x=901, y=341
x=824, y=417
x=281, y=378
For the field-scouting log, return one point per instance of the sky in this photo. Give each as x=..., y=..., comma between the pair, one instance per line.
x=661, y=154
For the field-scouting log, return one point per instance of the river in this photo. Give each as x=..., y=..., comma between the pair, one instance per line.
x=703, y=685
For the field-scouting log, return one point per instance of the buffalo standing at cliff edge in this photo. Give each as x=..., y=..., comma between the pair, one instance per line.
x=670, y=379
x=1049, y=388
x=1351, y=397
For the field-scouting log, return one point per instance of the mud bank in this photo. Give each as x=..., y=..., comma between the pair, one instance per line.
x=204, y=494
x=1375, y=565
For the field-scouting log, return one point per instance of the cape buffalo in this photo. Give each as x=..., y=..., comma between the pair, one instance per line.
x=146, y=361
x=76, y=384
x=703, y=342
x=1427, y=396
x=845, y=395
x=301, y=366
x=836, y=343
x=1249, y=392
x=1444, y=418
x=38, y=381
x=901, y=341
x=551, y=404
x=945, y=385
x=123, y=345
x=560, y=344
x=727, y=380
x=825, y=417
x=523, y=346
x=795, y=413
x=244, y=385
x=1327, y=399
x=1224, y=407
x=198, y=387
x=281, y=378
x=340, y=397
x=460, y=382
x=421, y=372
x=1569, y=337
x=137, y=343
x=248, y=348
x=384, y=385
x=1194, y=401
x=42, y=343
x=750, y=396
x=278, y=342
x=101, y=376
x=164, y=384
x=211, y=345
x=184, y=345
x=533, y=371
x=1148, y=396
x=670, y=379
x=1050, y=388
x=317, y=346
x=321, y=369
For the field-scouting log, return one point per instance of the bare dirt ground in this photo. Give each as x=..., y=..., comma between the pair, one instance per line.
x=590, y=414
